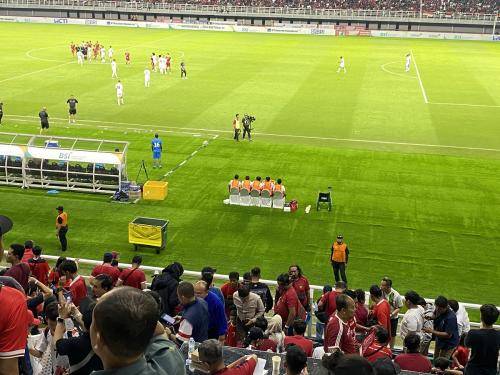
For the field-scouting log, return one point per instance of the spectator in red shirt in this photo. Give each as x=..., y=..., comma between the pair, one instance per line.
x=28, y=251
x=106, y=268
x=295, y=360
x=210, y=354
x=337, y=333
x=39, y=266
x=19, y=271
x=361, y=312
x=412, y=360
x=381, y=310
x=288, y=305
x=228, y=289
x=232, y=335
x=460, y=356
x=327, y=302
x=299, y=328
x=13, y=328
x=77, y=286
x=300, y=284
x=54, y=273
x=255, y=340
x=133, y=276
x=378, y=348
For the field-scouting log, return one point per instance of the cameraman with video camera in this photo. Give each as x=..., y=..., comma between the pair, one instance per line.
x=247, y=126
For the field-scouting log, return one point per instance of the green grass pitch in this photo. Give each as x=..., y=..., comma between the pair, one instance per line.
x=416, y=185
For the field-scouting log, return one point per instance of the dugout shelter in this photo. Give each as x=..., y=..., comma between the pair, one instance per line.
x=62, y=163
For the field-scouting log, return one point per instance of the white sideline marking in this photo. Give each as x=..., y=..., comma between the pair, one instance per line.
x=353, y=140
x=203, y=145
x=396, y=74
x=426, y=100
x=467, y=105
x=35, y=72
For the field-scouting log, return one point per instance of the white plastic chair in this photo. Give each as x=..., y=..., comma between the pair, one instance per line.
x=234, y=196
x=255, y=198
x=278, y=200
x=265, y=199
x=245, y=199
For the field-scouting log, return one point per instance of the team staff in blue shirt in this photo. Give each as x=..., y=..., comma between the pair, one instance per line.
x=157, y=148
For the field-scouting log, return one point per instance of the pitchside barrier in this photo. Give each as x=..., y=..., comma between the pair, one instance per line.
x=217, y=276
x=302, y=29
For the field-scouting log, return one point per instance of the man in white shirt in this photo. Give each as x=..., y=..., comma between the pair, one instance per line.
x=103, y=54
x=341, y=65
x=110, y=53
x=413, y=320
x=114, y=69
x=79, y=55
x=119, y=92
x=462, y=316
x=147, y=77
x=395, y=301
x=408, y=61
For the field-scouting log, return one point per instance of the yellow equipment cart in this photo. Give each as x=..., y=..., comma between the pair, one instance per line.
x=148, y=232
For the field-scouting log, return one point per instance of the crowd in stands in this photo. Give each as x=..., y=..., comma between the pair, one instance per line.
x=429, y=6
x=120, y=326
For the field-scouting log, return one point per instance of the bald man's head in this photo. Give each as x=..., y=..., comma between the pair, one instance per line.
x=201, y=289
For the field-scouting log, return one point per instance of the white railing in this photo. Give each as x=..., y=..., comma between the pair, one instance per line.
x=252, y=10
x=217, y=276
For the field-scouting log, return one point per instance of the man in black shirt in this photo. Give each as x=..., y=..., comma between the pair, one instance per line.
x=1, y=112
x=484, y=344
x=183, y=71
x=72, y=109
x=44, y=119
x=261, y=289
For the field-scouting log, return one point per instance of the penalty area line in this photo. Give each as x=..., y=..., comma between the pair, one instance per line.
x=192, y=155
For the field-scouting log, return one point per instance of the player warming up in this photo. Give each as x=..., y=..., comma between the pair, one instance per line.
x=168, y=59
x=72, y=102
x=154, y=62
x=79, y=56
x=119, y=93
x=114, y=69
x=103, y=54
x=342, y=65
x=408, y=61
x=127, y=58
x=183, y=71
x=147, y=77
x=157, y=148
x=110, y=53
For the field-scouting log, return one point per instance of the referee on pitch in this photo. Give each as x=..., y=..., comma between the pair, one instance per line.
x=72, y=102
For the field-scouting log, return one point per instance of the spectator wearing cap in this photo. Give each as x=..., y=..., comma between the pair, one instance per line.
x=396, y=302
x=339, y=257
x=288, y=305
x=166, y=284
x=337, y=333
x=300, y=284
x=194, y=319
x=207, y=275
x=412, y=360
x=39, y=267
x=217, y=326
x=133, y=276
x=413, y=320
x=256, y=340
x=261, y=289
x=13, y=326
x=210, y=354
x=463, y=321
x=445, y=329
x=28, y=251
x=299, y=329
x=295, y=360
x=378, y=348
x=249, y=308
x=62, y=227
x=228, y=290
x=123, y=324
x=106, y=268
x=77, y=286
x=18, y=270
x=484, y=344
x=381, y=310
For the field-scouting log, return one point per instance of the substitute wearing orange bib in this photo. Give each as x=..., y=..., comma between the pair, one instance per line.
x=234, y=183
x=246, y=184
x=339, y=257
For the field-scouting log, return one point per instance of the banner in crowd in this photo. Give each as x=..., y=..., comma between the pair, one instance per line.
x=275, y=29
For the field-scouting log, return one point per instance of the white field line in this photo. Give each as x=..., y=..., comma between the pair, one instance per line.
x=352, y=140
x=467, y=105
x=426, y=100
x=193, y=154
x=383, y=67
x=35, y=72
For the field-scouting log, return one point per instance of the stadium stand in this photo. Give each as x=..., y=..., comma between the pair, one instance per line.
x=126, y=329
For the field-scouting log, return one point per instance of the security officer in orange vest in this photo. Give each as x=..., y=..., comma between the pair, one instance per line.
x=62, y=227
x=339, y=258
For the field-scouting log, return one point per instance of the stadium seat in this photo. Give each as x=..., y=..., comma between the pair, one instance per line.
x=234, y=196
x=255, y=198
x=245, y=199
x=278, y=200
x=265, y=199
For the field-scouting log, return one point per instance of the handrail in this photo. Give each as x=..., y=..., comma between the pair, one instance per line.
x=256, y=10
x=473, y=306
